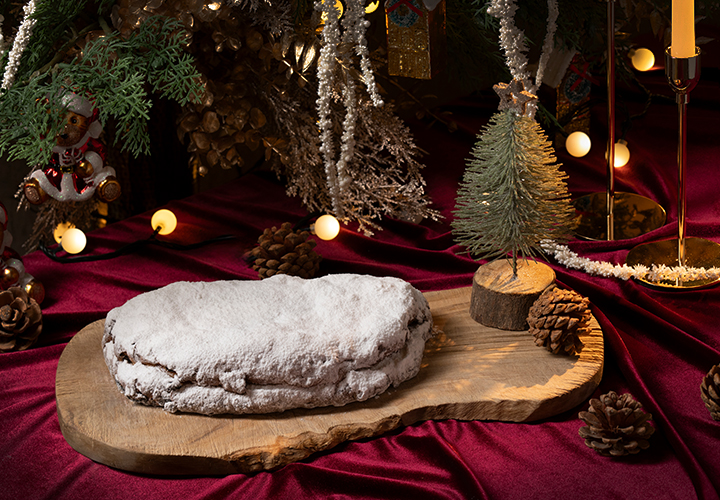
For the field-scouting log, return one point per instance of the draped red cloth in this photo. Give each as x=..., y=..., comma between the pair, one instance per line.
x=659, y=344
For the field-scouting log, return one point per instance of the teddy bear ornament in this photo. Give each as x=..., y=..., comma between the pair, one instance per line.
x=77, y=169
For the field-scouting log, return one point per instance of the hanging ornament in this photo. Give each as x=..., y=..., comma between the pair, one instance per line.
x=77, y=167
x=354, y=26
x=12, y=269
x=416, y=37
x=573, y=94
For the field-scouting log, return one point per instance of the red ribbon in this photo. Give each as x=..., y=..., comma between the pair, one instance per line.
x=406, y=3
x=583, y=74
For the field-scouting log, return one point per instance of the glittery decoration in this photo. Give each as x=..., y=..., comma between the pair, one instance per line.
x=512, y=42
x=416, y=38
x=260, y=75
x=655, y=273
x=513, y=96
x=354, y=26
x=21, y=40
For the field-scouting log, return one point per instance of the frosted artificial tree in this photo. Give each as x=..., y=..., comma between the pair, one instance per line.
x=513, y=194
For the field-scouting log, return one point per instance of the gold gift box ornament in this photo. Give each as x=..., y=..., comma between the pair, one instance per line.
x=416, y=37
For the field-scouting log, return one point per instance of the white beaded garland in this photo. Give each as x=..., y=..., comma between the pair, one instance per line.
x=655, y=274
x=21, y=40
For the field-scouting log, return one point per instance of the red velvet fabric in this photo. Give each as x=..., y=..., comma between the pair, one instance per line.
x=659, y=345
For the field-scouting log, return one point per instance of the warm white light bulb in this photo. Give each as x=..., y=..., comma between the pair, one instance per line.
x=73, y=240
x=642, y=59
x=622, y=154
x=372, y=7
x=326, y=227
x=60, y=230
x=164, y=220
x=578, y=144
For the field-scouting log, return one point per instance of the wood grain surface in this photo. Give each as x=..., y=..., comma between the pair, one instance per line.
x=469, y=372
x=502, y=300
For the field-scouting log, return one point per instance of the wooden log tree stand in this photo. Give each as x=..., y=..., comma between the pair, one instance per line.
x=501, y=300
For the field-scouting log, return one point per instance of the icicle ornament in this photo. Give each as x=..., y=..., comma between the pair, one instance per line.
x=512, y=42
x=354, y=27
x=19, y=44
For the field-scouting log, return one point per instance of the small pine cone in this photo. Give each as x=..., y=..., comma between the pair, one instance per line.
x=284, y=251
x=20, y=320
x=710, y=391
x=616, y=425
x=557, y=319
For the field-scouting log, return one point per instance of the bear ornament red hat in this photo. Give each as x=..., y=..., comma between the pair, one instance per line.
x=77, y=169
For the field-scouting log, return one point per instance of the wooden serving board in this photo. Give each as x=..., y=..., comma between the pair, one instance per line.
x=469, y=372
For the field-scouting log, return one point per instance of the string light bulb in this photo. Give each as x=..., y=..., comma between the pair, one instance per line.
x=642, y=59
x=622, y=154
x=73, y=240
x=578, y=144
x=326, y=227
x=60, y=230
x=164, y=221
x=372, y=7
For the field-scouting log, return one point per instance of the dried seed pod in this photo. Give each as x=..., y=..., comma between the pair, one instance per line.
x=20, y=320
x=285, y=251
x=558, y=318
x=616, y=425
x=710, y=391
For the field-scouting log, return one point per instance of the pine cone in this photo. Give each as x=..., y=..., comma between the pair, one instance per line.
x=710, y=391
x=284, y=251
x=20, y=320
x=616, y=425
x=557, y=318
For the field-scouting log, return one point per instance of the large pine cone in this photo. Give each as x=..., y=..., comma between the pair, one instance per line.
x=20, y=320
x=616, y=425
x=557, y=318
x=284, y=251
x=710, y=391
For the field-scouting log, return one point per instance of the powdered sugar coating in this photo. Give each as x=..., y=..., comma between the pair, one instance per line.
x=267, y=346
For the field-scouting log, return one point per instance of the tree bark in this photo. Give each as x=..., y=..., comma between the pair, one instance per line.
x=500, y=299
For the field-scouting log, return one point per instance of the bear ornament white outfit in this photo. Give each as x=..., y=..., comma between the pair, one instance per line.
x=77, y=168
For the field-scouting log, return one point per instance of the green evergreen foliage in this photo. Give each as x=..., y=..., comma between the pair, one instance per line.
x=117, y=74
x=513, y=194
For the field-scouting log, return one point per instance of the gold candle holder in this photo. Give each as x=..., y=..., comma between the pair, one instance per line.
x=683, y=74
x=615, y=215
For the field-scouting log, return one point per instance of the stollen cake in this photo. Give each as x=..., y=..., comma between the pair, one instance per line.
x=266, y=346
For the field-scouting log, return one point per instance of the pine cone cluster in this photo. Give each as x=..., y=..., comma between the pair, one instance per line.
x=616, y=425
x=710, y=391
x=20, y=320
x=285, y=251
x=557, y=318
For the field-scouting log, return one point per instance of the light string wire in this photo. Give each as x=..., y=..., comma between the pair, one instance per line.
x=655, y=273
x=354, y=27
x=19, y=44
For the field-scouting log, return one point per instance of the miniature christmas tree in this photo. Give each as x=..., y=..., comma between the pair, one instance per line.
x=513, y=195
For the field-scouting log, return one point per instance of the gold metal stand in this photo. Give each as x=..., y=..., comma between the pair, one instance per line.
x=683, y=74
x=638, y=215
x=633, y=215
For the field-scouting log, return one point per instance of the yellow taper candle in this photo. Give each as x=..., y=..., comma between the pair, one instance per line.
x=683, y=28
